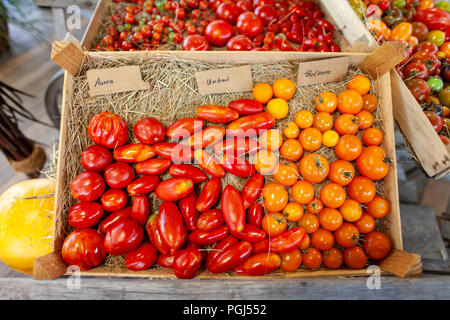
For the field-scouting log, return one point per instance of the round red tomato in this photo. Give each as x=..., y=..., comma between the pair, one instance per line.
x=142, y=258
x=85, y=214
x=249, y=24
x=245, y=5
x=119, y=175
x=428, y=58
x=419, y=88
x=416, y=70
x=229, y=11
x=219, y=32
x=114, y=199
x=436, y=121
x=84, y=248
x=427, y=46
x=95, y=158
x=377, y=245
x=149, y=130
x=266, y=13
x=108, y=129
x=122, y=237
x=195, y=42
x=240, y=43
x=87, y=186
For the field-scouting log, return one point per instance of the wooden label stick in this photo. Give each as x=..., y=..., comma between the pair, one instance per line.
x=401, y=264
x=383, y=59
x=49, y=267
x=68, y=55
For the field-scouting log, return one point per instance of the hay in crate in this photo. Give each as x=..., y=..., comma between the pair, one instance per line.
x=174, y=95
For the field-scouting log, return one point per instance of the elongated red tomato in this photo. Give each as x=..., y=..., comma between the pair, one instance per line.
x=246, y=106
x=142, y=258
x=288, y=240
x=238, y=146
x=250, y=233
x=140, y=209
x=154, y=166
x=206, y=138
x=209, y=220
x=255, y=214
x=260, y=264
x=149, y=130
x=208, y=163
x=210, y=237
x=238, y=166
x=124, y=236
x=180, y=170
x=209, y=195
x=219, y=248
x=188, y=210
x=165, y=261
x=184, y=128
x=231, y=257
x=261, y=246
x=186, y=263
x=85, y=214
x=174, y=189
x=251, y=125
x=155, y=236
x=252, y=190
x=88, y=186
x=217, y=114
x=176, y=152
x=143, y=185
x=170, y=226
x=108, y=129
x=233, y=209
x=113, y=218
x=132, y=153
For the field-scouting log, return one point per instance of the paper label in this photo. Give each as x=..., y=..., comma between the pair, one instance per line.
x=238, y=79
x=322, y=71
x=114, y=80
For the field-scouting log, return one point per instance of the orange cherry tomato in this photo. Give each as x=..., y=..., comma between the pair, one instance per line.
x=361, y=189
x=322, y=239
x=293, y=211
x=330, y=138
x=355, y=258
x=330, y=219
x=347, y=235
x=262, y=93
x=365, y=224
x=402, y=31
x=346, y=124
x=365, y=119
x=314, y=168
x=372, y=137
x=304, y=119
x=286, y=174
x=370, y=102
x=302, y=192
x=309, y=222
x=350, y=101
x=373, y=163
x=341, y=172
x=291, y=261
x=274, y=223
x=425, y=4
x=312, y=258
x=265, y=161
x=284, y=89
x=377, y=245
x=351, y=210
x=315, y=206
x=333, y=258
x=360, y=84
x=291, y=131
x=271, y=139
x=323, y=121
x=332, y=195
x=326, y=102
x=378, y=207
x=379, y=29
x=275, y=197
x=348, y=148
x=291, y=149
x=306, y=242
x=311, y=139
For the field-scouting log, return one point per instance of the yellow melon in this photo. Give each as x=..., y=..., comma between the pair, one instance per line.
x=26, y=223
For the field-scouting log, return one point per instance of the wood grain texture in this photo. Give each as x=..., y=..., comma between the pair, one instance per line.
x=402, y=263
x=49, y=267
x=382, y=59
x=94, y=24
x=68, y=56
x=65, y=3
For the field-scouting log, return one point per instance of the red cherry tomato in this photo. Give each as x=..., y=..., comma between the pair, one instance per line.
x=188, y=210
x=209, y=220
x=219, y=32
x=255, y=214
x=233, y=209
x=149, y=130
x=170, y=226
x=184, y=128
x=85, y=214
x=259, y=264
x=174, y=189
x=436, y=121
x=143, y=185
x=114, y=199
x=87, y=186
x=240, y=43
x=155, y=166
x=84, y=248
x=186, y=263
x=142, y=258
x=266, y=13
x=113, y=218
x=252, y=189
x=195, y=42
x=95, y=158
x=124, y=236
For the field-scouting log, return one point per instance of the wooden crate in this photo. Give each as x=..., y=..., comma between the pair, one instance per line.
x=73, y=62
x=432, y=154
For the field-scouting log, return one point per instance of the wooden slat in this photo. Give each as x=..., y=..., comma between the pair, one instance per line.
x=65, y=3
x=94, y=25
x=68, y=56
x=49, y=267
x=383, y=59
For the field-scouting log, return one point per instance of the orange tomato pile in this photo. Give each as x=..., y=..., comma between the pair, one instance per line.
x=335, y=202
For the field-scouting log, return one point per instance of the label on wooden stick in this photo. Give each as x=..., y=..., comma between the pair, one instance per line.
x=322, y=71
x=115, y=80
x=238, y=79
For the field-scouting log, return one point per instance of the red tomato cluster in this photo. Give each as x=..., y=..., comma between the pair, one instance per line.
x=235, y=25
x=425, y=27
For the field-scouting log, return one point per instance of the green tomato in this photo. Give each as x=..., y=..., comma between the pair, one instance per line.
x=399, y=3
x=444, y=96
x=443, y=5
x=437, y=37
x=435, y=84
x=359, y=7
x=171, y=35
x=128, y=27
